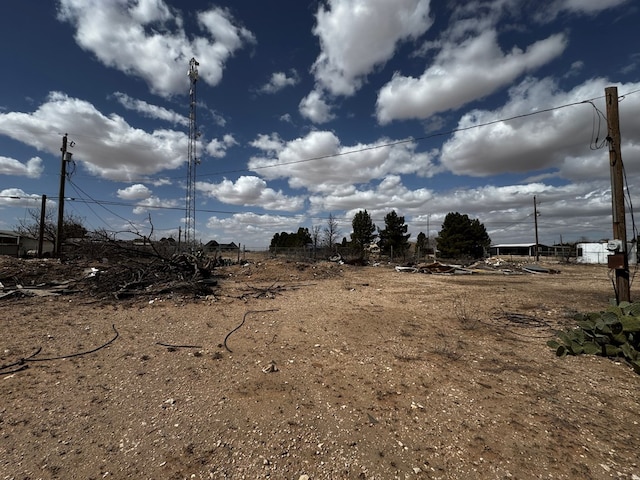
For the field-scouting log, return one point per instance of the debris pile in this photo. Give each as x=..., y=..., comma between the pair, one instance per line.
x=182, y=273
x=490, y=265
x=121, y=276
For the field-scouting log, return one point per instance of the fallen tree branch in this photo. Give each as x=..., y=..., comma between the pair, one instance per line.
x=244, y=317
x=31, y=358
x=61, y=357
x=21, y=362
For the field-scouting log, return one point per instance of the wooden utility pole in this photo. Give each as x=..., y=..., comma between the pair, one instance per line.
x=43, y=209
x=618, y=260
x=428, y=234
x=63, y=176
x=535, y=221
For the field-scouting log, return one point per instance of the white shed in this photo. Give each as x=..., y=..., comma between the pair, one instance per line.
x=16, y=245
x=597, y=253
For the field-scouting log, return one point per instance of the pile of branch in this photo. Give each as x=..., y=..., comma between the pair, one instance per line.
x=106, y=268
x=181, y=273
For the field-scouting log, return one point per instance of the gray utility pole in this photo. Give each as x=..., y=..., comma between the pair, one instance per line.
x=63, y=176
x=535, y=219
x=618, y=260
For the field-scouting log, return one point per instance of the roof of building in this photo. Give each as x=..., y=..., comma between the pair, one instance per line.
x=512, y=245
x=213, y=243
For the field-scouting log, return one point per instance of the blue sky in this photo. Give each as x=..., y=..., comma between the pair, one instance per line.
x=314, y=108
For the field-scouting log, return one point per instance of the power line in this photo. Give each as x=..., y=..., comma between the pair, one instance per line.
x=322, y=157
x=104, y=203
x=398, y=142
x=408, y=140
x=78, y=190
x=101, y=204
x=143, y=146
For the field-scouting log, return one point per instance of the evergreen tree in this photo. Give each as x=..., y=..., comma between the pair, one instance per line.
x=291, y=240
x=363, y=230
x=421, y=242
x=303, y=237
x=394, y=236
x=275, y=241
x=461, y=237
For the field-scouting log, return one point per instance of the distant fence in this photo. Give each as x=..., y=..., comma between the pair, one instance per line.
x=301, y=253
x=345, y=253
x=412, y=255
x=313, y=254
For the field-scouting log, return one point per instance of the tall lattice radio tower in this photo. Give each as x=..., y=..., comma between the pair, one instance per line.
x=192, y=159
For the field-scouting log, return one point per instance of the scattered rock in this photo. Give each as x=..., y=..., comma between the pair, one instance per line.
x=270, y=368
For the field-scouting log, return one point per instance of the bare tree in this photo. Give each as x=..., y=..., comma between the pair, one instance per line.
x=316, y=231
x=29, y=226
x=331, y=231
x=72, y=226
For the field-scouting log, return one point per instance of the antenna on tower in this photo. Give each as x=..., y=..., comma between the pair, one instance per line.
x=192, y=159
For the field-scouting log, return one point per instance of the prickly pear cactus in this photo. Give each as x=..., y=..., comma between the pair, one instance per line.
x=614, y=332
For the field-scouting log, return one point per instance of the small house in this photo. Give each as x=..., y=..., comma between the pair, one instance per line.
x=216, y=248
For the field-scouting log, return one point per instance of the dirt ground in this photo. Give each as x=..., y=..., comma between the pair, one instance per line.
x=338, y=372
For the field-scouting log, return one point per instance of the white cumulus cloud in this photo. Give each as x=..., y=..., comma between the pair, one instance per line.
x=106, y=145
x=16, y=197
x=280, y=80
x=376, y=200
x=32, y=169
x=315, y=108
x=134, y=192
x=560, y=139
x=251, y=191
x=460, y=74
x=217, y=148
x=358, y=35
x=146, y=38
x=151, y=111
x=319, y=163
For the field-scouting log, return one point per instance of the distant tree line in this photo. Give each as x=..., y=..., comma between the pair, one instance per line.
x=301, y=238
x=460, y=237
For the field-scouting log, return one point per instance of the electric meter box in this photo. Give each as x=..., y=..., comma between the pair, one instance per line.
x=614, y=245
x=617, y=261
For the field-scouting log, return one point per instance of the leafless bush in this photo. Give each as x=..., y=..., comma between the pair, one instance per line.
x=465, y=313
x=445, y=349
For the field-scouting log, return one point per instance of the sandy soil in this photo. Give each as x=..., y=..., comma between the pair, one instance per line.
x=338, y=372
